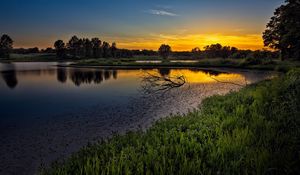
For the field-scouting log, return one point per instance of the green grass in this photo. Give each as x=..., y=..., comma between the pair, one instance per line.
x=261, y=64
x=30, y=57
x=253, y=131
x=276, y=65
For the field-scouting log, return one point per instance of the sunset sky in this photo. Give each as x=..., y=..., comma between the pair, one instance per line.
x=138, y=24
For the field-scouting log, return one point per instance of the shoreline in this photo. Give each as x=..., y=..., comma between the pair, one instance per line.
x=62, y=135
x=130, y=63
x=209, y=139
x=150, y=66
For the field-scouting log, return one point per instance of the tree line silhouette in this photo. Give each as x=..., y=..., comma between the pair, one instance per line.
x=85, y=48
x=89, y=48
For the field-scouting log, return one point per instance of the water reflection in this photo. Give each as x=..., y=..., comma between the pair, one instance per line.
x=62, y=75
x=10, y=76
x=115, y=74
x=84, y=76
x=161, y=82
x=164, y=71
x=79, y=76
x=209, y=72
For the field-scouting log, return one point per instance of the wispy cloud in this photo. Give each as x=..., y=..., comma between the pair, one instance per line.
x=161, y=13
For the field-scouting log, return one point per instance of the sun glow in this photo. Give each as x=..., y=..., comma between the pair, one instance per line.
x=178, y=42
x=187, y=42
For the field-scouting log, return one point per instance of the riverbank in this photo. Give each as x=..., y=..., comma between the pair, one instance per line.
x=277, y=65
x=253, y=131
x=157, y=62
x=86, y=105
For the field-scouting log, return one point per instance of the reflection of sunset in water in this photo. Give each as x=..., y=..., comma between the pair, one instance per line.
x=192, y=76
x=206, y=77
x=71, y=76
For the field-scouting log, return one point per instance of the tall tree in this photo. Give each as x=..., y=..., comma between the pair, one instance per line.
x=106, y=48
x=96, y=45
x=73, y=46
x=164, y=51
x=88, y=46
x=282, y=32
x=6, y=45
x=60, y=48
x=81, y=48
x=113, y=50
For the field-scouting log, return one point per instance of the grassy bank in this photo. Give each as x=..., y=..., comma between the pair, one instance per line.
x=36, y=57
x=276, y=65
x=261, y=64
x=253, y=131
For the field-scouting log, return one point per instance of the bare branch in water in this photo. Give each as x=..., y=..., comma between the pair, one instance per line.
x=154, y=83
x=227, y=82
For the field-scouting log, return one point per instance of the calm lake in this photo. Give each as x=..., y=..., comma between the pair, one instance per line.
x=48, y=111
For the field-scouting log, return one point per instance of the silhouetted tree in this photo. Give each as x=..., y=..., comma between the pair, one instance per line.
x=225, y=52
x=81, y=48
x=164, y=51
x=218, y=51
x=196, y=52
x=106, y=48
x=96, y=45
x=282, y=31
x=60, y=48
x=33, y=50
x=213, y=51
x=73, y=46
x=88, y=46
x=113, y=50
x=233, y=50
x=6, y=45
x=49, y=50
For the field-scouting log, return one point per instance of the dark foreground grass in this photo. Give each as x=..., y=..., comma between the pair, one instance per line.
x=253, y=131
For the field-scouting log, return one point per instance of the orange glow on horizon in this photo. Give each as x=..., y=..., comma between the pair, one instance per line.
x=188, y=42
x=177, y=42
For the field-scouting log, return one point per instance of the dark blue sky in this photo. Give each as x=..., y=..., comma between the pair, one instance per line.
x=133, y=23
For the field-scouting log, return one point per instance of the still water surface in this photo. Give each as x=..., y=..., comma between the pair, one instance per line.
x=48, y=111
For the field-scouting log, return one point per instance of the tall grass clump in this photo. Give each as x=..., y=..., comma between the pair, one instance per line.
x=253, y=131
